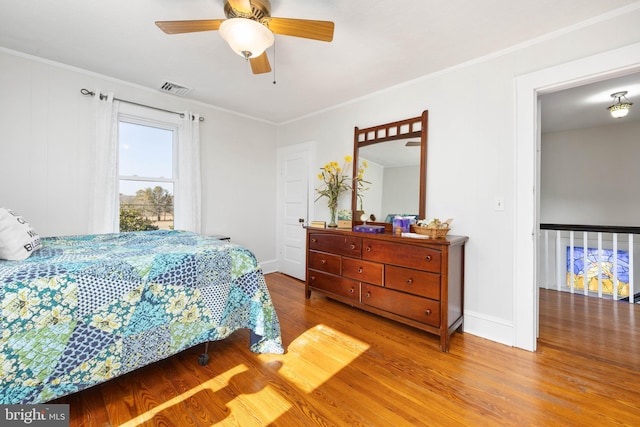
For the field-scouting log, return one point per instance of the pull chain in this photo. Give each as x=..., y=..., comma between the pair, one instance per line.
x=274, y=61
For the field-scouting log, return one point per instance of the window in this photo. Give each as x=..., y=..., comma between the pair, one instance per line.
x=147, y=174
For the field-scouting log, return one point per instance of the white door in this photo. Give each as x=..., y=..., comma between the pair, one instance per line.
x=294, y=205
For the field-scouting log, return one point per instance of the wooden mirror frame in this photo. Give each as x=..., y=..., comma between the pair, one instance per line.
x=415, y=127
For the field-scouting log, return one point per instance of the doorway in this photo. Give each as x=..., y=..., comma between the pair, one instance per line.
x=527, y=165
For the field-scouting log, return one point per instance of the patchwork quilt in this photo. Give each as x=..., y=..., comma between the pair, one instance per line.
x=84, y=309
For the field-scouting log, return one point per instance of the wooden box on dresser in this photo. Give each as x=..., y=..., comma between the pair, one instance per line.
x=419, y=282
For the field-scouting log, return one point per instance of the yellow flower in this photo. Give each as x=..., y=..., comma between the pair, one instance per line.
x=334, y=181
x=361, y=183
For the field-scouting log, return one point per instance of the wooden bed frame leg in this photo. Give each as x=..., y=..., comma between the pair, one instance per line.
x=203, y=359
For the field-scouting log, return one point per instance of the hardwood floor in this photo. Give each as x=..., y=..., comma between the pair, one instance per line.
x=347, y=367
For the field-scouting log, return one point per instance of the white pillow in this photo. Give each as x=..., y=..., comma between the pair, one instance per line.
x=18, y=239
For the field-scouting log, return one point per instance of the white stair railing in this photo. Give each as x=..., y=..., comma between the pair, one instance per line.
x=600, y=262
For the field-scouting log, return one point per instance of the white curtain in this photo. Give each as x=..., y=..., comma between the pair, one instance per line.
x=103, y=208
x=187, y=204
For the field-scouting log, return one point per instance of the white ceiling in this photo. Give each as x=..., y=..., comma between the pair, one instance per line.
x=377, y=44
x=585, y=106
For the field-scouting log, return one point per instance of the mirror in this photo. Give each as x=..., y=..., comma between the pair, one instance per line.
x=395, y=175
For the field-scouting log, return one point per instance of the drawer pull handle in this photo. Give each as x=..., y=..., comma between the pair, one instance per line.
x=368, y=295
x=427, y=311
x=351, y=290
x=359, y=269
x=314, y=240
x=427, y=258
x=352, y=246
x=409, y=281
x=312, y=278
x=368, y=248
x=324, y=261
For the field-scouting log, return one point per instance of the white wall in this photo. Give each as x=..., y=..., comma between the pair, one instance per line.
x=472, y=153
x=591, y=176
x=44, y=154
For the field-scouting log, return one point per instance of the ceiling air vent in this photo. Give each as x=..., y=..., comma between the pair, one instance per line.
x=174, y=89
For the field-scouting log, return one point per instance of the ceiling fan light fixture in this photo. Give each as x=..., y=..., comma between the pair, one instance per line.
x=619, y=108
x=246, y=37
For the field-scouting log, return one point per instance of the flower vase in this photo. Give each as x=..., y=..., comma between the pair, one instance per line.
x=332, y=211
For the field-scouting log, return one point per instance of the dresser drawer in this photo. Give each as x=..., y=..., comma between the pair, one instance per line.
x=412, y=281
x=364, y=271
x=406, y=255
x=325, y=262
x=334, y=284
x=416, y=308
x=336, y=244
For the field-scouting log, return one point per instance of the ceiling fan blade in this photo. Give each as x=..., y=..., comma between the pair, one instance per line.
x=178, y=27
x=260, y=65
x=243, y=6
x=308, y=29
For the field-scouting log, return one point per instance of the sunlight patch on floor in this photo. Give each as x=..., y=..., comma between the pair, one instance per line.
x=307, y=364
x=265, y=406
x=214, y=384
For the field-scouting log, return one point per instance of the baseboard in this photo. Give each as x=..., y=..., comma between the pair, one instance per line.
x=269, y=266
x=491, y=328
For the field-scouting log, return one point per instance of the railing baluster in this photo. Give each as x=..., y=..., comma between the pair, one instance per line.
x=546, y=259
x=599, y=265
x=559, y=266
x=571, y=263
x=615, y=266
x=631, y=288
x=585, y=262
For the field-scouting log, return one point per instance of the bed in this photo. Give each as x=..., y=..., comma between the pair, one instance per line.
x=84, y=309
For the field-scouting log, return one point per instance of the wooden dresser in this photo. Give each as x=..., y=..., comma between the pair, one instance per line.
x=419, y=282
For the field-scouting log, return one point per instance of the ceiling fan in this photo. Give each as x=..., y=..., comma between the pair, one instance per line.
x=249, y=29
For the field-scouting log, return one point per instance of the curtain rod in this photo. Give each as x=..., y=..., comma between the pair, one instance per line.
x=87, y=92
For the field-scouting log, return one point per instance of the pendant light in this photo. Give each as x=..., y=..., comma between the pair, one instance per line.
x=620, y=108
